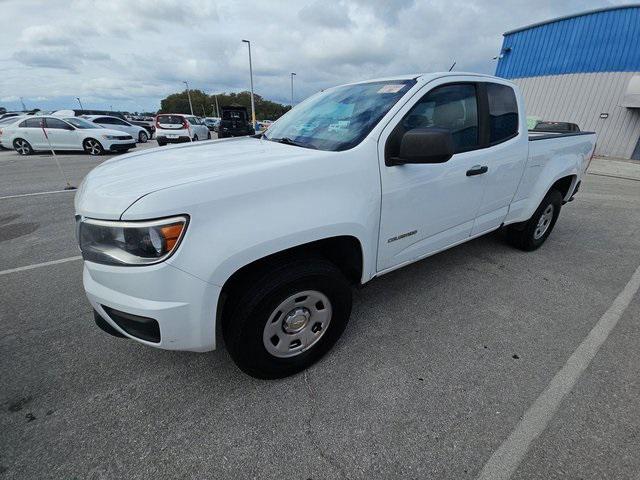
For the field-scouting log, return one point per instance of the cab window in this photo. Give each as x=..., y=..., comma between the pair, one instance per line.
x=453, y=107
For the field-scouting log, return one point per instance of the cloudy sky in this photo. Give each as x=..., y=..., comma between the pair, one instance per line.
x=131, y=53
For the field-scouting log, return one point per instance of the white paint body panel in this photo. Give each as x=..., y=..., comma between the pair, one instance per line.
x=248, y=198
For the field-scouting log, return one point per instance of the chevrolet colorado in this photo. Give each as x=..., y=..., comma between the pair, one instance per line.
x=257, y=241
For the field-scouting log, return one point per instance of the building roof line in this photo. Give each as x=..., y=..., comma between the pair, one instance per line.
x=574, y=15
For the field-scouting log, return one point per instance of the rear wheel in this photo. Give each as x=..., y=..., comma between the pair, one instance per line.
x=532, y=234
x=161, y=143
x=288, y=317
x=208, y=135
x=93, y=147
x=22, y=146
x=143, y=137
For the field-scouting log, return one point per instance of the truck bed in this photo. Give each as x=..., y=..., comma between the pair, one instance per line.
x=533, y=135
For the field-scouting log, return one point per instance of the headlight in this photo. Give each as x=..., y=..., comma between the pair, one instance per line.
x=130, y=243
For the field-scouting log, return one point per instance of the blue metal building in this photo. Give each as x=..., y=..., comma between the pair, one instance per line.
x=584, y=69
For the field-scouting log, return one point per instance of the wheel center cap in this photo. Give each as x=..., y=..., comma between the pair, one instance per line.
x=296, y=320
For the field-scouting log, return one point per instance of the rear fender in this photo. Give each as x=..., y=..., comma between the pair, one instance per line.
x=539, y=176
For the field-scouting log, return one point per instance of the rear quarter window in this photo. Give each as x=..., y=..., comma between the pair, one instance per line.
x=503, y=113
x=32, y=123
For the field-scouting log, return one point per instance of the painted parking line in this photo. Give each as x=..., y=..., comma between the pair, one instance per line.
x=506, y=459
x=38, y=265
x=37, y=193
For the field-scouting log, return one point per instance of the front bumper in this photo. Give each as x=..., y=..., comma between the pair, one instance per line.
x=119, y=147
x=183, y=306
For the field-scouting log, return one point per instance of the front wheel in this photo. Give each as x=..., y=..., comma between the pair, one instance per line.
x=93, y=147
x=22, y=146
x=208, y=135
x=532, y=234
x=195, y=138
x=288, y=317
x=143, y=137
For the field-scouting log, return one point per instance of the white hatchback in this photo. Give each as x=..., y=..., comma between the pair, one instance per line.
x=178, y=128
x=72, y=133
x=115, y=123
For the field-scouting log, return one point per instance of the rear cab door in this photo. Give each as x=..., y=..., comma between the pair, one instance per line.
x=507, y=150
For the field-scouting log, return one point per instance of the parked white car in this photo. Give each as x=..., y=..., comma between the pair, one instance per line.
x=6, y=122
x=71, y=133
x=114, y=123
x=258, y=239
x=178, y=128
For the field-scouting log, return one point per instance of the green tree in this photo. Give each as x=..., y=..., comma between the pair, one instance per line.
x=179, y=103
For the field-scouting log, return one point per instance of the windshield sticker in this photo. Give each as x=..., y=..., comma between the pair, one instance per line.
x=391, y=89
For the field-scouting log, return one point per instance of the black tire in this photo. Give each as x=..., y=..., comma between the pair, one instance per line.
x=526, y=235
x=22, y=146
x=93, y=147
x=161, y=143
x=195, y=138
x=208, y=135
x=245, y=323
x=143, y=137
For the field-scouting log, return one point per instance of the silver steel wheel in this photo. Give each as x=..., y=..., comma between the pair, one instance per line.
x=93, y=146
x=297, y=324
x=143, y=137
x=544, y=222
x=22, y=147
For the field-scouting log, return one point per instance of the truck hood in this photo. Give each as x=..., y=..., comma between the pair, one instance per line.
x=109, y=189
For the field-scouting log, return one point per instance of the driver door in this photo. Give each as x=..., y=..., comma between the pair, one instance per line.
x=429, y=207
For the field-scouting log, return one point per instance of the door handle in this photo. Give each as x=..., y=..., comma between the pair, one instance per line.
x=477, y=170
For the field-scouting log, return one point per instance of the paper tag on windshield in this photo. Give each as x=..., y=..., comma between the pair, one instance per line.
x=391, y=89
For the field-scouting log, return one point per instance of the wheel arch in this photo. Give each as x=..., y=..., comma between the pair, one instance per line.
x=565, y=185
x=345, y=251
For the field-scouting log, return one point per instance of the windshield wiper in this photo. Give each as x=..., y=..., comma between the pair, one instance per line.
x=288, y=141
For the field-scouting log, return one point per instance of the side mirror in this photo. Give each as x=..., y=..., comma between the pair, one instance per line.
x=425, y=145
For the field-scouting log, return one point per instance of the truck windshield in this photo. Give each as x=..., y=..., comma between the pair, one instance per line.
x=340, y=118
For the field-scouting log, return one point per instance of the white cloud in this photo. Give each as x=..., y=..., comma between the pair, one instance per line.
x=127, y=53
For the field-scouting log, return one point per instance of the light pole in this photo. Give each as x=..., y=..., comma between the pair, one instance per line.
x=217, y=109
x=81, y=107
x=292, y=75
x=189, y=95
x=253, y=107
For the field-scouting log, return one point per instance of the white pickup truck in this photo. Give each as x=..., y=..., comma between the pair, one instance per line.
x=258, y=240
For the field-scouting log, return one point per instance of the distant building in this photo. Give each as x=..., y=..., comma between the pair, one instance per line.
x=583, y=69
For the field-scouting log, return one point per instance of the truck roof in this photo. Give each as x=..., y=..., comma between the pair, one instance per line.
x=426, y=76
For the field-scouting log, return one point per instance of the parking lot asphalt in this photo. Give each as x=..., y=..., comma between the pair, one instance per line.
x=438, y=366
